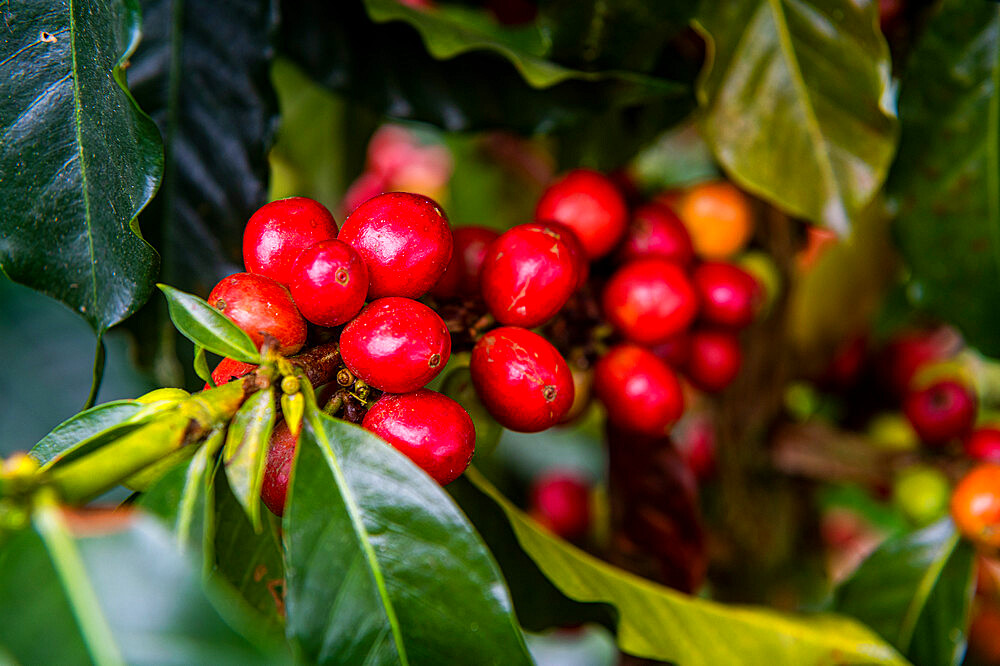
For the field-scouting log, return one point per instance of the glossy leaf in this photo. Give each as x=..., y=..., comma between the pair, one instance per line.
x=202, y=72
x=916, y=591
x=79, y=159
x=947, y=175
x=454, y=68
x=245, y=452
x=201, y=366
x=382, y=567
x=797, y=102
x=134, y=582
x=205, y=326
x=76, y=433
x=656, y=622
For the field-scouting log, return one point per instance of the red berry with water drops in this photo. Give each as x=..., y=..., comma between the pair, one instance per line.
x=461, y=278
x=522, y=380
x=280, y=230
x=650, y=300
x=405, y=240
x=528, y=274
x=431, y=429
x=260, y=306
x=941, y=412
x=729, y=295
x=983, y=443
x=561, y=502
x=329, y=284
x=715, y=359
x=278, y=468
x=228, y=370
x=588, y=203
x=641, y=392
x=656, y=231
x=396, y=344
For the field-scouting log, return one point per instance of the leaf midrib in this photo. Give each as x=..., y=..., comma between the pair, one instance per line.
x=923, y=592
x=78, y=121
x=360, y=532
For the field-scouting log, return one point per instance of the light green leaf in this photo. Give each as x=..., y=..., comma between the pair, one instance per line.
x=205, y=326
x=245, y=452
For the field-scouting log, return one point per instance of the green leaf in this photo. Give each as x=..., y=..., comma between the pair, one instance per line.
x=124, y=573
x=656, y=622
x=86, y=431
x=456, y=68
x=201, y=71
x=916, y=591
x=79, y=159
x=797, y=102
x=947, y=175
x=201, y=366
x=381, y=566
x=245, y=453
x=205, y=326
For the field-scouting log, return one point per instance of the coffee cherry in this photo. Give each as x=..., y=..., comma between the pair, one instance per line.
x=941, y=412
x=588, y=203
x=431, y=429
x=983, y=444
x=228, y=370
x=717, y=215
x=921, y=493
x=461, y=278
x=524, y=383
x=561, y=502
x=278, y=468
x=650, y=300
x=259, y=305
x=572, y=241
x=396, y=344
x=714, y=360
x=694, y=439
x=656, y=231
x=910, y=351
x=329, y=284
x=641, y=392
x=405, y=240
x=729, y=295
x=279, y=231
x=529, y=273
x=975, y=505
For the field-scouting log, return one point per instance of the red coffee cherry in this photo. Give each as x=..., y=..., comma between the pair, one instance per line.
x=650, y=300
x=983, y=444
x=461, y=278
x=430, y=428
x=528, y=274
x=729, y=295
x=975, y=505
x=641, y=392
x=656, y=231
x=280, y=230
x=396, y=344
x=561, y=502
x=522, y=380
x=278, y=469
x=910, y=351
x=405, y=240
x=714, y=360
x=228, y=370
x=572, y=241
x=588, y=203
x=941, y=412
x=259, y=305
x=330, y=282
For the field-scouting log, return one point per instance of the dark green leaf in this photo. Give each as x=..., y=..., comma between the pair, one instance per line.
x=137, y=583
x=798, y=103
x=202, y=73
x=454, y=68
x=205, y=326
x=79, y=159
x=916, y=590
x=382, y=567
x=86, y=431
x=245, y=453
x=249, y=561
x=947, y=175
x=657, y=622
